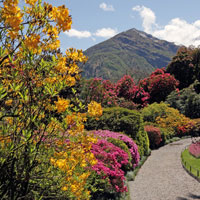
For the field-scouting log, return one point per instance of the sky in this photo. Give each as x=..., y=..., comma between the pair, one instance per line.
x=94, y=21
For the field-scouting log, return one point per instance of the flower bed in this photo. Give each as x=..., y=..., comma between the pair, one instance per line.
x=194, y=149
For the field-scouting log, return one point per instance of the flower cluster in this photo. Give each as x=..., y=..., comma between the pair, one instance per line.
x=110, y=161
x=94, y=109
x=13, y=17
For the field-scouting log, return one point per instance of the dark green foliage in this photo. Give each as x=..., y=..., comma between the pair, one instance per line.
x=132, y=52
x=185, y=66
x=122, y=120
x=187, y=101
x=182, y=68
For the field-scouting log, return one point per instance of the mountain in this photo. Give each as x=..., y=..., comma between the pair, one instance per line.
x=131, y=52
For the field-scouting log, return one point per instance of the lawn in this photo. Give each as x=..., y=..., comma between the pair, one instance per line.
x=191, y=163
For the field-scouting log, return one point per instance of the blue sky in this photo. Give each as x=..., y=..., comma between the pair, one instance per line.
x=95, y=21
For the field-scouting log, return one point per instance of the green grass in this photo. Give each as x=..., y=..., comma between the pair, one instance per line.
x=191, y=163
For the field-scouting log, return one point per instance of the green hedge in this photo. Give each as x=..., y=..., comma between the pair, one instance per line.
x=122, y=120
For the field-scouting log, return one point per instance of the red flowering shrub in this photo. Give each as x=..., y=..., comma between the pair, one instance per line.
x=101, y=91
x=127, y=89
x=110, y=161
x=154, y=135
x=194, y=149
x=159, y=85
x=186, y=129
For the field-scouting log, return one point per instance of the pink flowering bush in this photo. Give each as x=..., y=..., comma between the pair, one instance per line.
x=194, y=149
x=110, y=161
x=127, y=140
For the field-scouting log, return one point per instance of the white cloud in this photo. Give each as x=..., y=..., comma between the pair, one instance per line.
x=177, y=30
x=148, y=17
x=105, y=32
x=106, y=7
x=78, y=34
x=180, y=32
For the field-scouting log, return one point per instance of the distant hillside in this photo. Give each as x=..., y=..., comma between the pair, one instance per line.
x=132, y=52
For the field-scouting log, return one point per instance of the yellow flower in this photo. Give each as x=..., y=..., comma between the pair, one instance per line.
x=9, y=102
x=31, y=2
x=94, y=109
x=61, y=66
x=62, y=18
x=32, y=42
x=12, y=17
x=70, y=80
x=62, y=104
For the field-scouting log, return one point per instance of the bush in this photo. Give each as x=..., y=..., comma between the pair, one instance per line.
x=101, y=91
x=195, y=132
x=122, y=120
x=123, y=146
x=169, y=118
x=151, y=112
x=111, y=160
x=132, y=147
x=154, y=135
x=187, y=100
x=159, y=85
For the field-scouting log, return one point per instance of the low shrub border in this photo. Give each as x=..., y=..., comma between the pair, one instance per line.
x=186, y=160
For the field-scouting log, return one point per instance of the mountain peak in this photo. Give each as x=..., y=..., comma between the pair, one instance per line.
x=131, y=52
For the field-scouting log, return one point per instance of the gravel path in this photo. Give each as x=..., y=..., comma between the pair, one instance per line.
x=162, y=176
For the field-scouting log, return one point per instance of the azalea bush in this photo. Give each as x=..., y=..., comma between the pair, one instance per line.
x=110, y=162
x=35, y=160
x=169, y=118
x=106, y=134
x=175, y=121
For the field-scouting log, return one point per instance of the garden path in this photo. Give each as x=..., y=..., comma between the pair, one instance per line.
x=162, y=176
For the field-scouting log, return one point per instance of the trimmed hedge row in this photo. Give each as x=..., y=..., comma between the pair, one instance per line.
x=122, y=120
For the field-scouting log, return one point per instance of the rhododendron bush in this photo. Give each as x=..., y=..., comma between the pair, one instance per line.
x=101, y=91
x=159, y=85
x=35, y=160
x=127, y=89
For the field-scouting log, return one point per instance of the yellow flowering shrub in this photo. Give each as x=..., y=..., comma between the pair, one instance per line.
x=173, y=119
x=94, y=109
x=44, y=152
